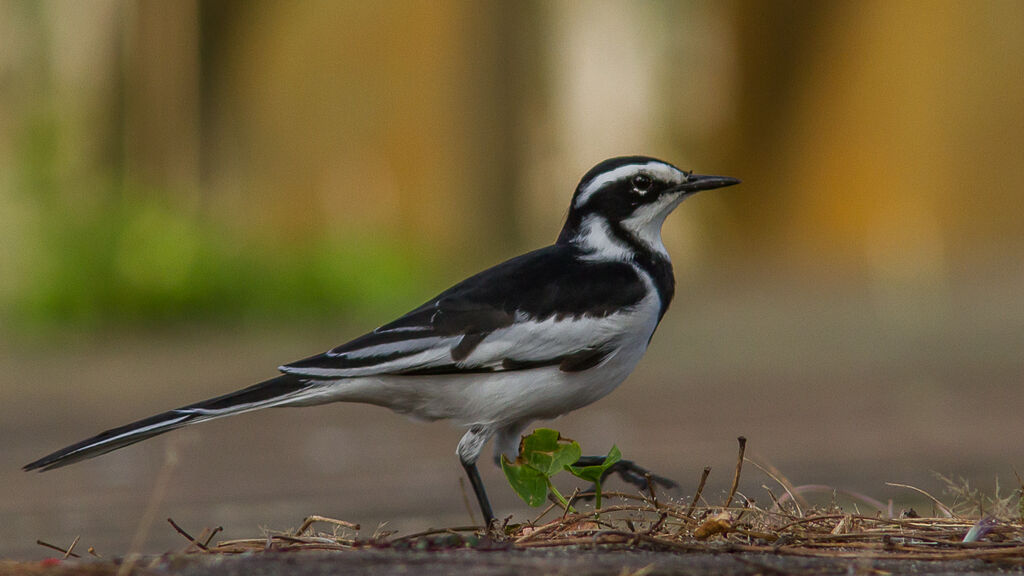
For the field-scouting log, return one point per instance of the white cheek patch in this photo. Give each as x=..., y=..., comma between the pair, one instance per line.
x=646, y=221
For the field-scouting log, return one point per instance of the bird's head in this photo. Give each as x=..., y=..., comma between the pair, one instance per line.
x=620, y=204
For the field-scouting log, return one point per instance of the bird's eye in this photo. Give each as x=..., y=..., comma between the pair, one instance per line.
x=642, y=183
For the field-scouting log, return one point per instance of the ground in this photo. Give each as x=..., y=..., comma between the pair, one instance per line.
x=498, y=563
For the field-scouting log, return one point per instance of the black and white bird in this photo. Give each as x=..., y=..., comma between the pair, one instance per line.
x=532, y=338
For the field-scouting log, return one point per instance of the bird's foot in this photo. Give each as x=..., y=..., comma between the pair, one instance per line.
x=630, y=472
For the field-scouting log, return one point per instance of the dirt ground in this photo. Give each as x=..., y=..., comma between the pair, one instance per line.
x=499, y=563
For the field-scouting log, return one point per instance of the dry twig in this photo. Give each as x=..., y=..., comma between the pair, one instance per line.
x=739, y=469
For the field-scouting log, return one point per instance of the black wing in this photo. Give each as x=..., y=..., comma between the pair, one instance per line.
x=542, y=308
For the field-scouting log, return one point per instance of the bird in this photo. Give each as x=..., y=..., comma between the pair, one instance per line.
x=532, y=338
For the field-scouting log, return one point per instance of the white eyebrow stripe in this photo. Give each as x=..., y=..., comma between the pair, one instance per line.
x=657, y=170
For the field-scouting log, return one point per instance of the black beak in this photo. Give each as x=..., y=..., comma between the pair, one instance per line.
x=696, y=182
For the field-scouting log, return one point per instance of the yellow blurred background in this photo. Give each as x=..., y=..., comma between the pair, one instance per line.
x=193, y=192
x=177, y=161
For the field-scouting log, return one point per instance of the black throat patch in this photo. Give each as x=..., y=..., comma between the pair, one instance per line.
x=655, y=264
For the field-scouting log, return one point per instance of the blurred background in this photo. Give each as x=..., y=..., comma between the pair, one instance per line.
x=194, y=192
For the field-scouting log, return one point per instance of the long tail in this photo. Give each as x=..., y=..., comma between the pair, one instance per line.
x=274, y=392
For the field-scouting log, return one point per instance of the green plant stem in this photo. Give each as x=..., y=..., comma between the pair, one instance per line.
x=597, y=497
x=558, y=496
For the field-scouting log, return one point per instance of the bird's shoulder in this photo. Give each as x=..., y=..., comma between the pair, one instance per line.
x=552, y=281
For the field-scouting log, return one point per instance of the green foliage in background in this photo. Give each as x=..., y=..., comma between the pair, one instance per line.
x=146, y=263
x=84, y=246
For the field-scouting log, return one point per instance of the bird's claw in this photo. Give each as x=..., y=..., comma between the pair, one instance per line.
x=629, y=472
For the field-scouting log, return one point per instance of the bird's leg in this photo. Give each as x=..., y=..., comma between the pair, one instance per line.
x=628, y=471
x=481, y=494
x=469, y=451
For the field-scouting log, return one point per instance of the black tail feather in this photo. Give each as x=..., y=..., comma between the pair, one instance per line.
x=263, y=395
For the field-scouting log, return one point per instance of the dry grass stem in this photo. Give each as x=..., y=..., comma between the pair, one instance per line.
x=312, y=519
x=72, y=547
x=781, y=482
x=700, y=491
x=936, y=501
x=187, y=536
x=465, y=500
x=163, y=482
x=66, y=553
x=739, y=470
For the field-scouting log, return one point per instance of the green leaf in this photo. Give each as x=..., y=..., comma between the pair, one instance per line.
x=531, y=485
x=542, y=454
x=547, y=452
x=594, y=473
x=613, y=456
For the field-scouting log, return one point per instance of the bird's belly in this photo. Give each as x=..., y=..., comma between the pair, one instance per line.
x=506, y=397
x=494, y=397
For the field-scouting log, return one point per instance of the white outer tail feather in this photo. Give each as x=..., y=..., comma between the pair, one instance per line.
x=279, y=391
